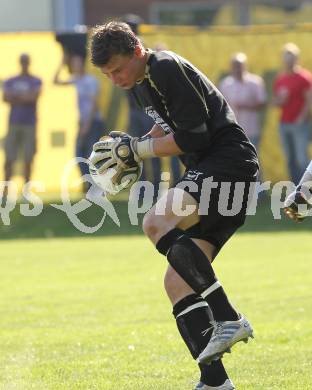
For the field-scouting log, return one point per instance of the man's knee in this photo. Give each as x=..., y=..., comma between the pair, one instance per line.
x=154, y=227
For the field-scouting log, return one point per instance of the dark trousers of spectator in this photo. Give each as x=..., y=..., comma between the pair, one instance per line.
x=295, y=140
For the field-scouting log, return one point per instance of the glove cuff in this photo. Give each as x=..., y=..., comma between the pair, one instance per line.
x=305, y=184
x=144, y=147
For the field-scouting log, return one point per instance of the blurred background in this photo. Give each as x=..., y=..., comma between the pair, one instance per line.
x=205, y=32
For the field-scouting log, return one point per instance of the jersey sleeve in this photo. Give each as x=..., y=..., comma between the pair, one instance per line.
x=184, y=100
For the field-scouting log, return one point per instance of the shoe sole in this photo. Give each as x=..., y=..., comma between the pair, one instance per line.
x=228, y=388
x=219, y=355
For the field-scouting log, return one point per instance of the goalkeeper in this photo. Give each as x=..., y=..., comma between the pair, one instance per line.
x=193, y=121
x=299, y=204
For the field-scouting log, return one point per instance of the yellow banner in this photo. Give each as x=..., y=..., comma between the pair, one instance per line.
x=209, y=50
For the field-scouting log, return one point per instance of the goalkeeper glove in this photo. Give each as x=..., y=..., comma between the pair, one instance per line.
x=132, y=149
x=298, y=204
x=120, y=149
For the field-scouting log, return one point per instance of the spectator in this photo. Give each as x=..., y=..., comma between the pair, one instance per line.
x=91, y=125
x=21, y=92
x=246, y=94
x=292, y=93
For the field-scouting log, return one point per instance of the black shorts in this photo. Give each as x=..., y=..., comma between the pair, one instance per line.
x=222, y=199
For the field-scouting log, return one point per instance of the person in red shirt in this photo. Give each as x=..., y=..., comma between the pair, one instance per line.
x=292, y=93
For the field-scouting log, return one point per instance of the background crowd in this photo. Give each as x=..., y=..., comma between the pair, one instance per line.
x=246, y=93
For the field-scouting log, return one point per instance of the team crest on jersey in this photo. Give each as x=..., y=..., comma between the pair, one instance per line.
x=193, y=175
x=158, y=119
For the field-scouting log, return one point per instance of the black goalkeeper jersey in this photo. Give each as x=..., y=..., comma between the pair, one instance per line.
x=182, y=100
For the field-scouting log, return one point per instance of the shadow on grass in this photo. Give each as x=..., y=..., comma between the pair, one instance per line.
x=55, y=223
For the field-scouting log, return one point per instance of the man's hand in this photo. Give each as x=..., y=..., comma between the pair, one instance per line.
x=118, y=149
x=125, y=151
x=296, y=206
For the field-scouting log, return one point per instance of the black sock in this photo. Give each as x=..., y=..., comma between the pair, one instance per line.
x=220, y=311
x=193, y=318
x=190, y=262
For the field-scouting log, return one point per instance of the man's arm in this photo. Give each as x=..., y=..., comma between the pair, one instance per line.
x=57, y=79
x=166, y=146
x=24, y=98
x=9, y=97
x=145, y=147
x=29, y=97
x=130, y=150
x=251, y=106
x=8, y=94
x=280, y=94
x=156, y=132
x=186, y=105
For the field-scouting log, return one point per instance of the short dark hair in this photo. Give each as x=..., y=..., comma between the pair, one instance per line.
x=110, y=39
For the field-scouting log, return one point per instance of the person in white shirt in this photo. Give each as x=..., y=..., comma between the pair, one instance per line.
x=246, y=94
x=91, y=123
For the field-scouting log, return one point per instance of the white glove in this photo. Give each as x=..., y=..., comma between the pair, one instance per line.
x=101, y=158
x=122, y=150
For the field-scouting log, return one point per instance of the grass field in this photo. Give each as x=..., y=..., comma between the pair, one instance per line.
x=90, y=312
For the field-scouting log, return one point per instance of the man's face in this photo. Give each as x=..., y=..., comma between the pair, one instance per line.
x=124, y=71
x=289, y=59
x=238, y=69
x=24, y=62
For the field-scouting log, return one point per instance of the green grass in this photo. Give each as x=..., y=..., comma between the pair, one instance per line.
x=54, y=223
x=90, y=313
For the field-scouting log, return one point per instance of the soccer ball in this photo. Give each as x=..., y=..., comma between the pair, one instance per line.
x=115, y=179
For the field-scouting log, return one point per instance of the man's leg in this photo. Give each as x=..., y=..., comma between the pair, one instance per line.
x=192, y=264
x=8, y=168
x=195, y=324
x=27, y=170
x=301, y=138
x=191, y=323
x=10, y=148
x=29, y=143
x=289, y=149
